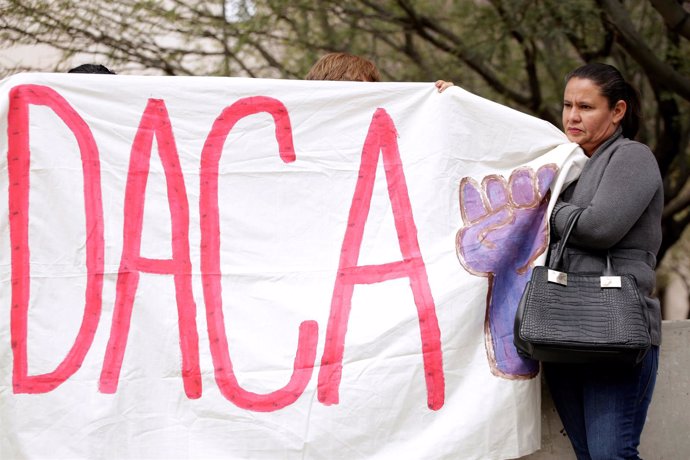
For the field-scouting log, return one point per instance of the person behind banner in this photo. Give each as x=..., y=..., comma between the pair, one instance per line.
x=91, y=68
x=620, y=194
x=343, y=67
x=347, y=67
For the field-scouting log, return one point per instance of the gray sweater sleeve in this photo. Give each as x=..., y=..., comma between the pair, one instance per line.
x=627, y=186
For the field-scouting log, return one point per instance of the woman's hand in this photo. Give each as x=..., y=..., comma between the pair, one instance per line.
x=442, y=85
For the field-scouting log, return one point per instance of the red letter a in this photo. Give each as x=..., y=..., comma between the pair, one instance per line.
x=382, y=137
x=18, y=169
x=155, y=121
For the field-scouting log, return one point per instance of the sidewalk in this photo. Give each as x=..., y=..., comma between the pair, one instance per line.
x=666, y=434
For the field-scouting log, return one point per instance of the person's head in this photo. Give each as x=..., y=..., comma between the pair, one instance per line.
x=91, y=68
x=597, y=100
x=343, y=67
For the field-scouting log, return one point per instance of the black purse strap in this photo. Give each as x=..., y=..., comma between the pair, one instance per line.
x=569, y=226
x=609, y=271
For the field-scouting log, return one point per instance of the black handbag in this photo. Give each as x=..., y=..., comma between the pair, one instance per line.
x=581, y=317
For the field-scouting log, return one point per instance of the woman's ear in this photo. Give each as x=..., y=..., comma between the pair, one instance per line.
x=619, y=111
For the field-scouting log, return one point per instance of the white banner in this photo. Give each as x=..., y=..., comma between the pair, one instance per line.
x=198, y=267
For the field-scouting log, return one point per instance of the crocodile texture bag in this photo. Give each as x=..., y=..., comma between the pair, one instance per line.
x=581, y=317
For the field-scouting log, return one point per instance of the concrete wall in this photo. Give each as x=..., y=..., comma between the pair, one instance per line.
x=666, y=435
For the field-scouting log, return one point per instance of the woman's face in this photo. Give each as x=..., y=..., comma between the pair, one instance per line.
x=587, y=117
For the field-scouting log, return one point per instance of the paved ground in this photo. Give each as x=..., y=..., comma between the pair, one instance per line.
x=667, y=432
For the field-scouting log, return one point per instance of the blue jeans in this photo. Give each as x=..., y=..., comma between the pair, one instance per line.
x=603, y=407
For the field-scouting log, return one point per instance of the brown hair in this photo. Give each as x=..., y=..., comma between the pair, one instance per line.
x=343, y=67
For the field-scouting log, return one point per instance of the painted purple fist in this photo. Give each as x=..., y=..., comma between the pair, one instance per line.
x=505, y=231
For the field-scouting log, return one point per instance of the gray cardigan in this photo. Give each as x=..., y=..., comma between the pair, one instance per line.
x=621, y=193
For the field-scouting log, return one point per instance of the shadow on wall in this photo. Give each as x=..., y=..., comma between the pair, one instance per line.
x=673, y=279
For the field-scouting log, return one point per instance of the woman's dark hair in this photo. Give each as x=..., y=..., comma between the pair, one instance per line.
x=91, y=68
x=614, y=88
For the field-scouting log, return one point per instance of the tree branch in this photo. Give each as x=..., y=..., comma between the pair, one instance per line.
x=675, y=16
x=637, y=48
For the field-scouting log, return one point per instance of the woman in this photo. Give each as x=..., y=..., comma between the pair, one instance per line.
x=603, y=407
x=620, y=192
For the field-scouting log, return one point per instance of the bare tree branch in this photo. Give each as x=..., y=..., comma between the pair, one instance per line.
x=638, y=49
x=675, y=16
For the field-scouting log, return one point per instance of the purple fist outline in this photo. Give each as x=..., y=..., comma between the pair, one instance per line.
x=505, y=231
